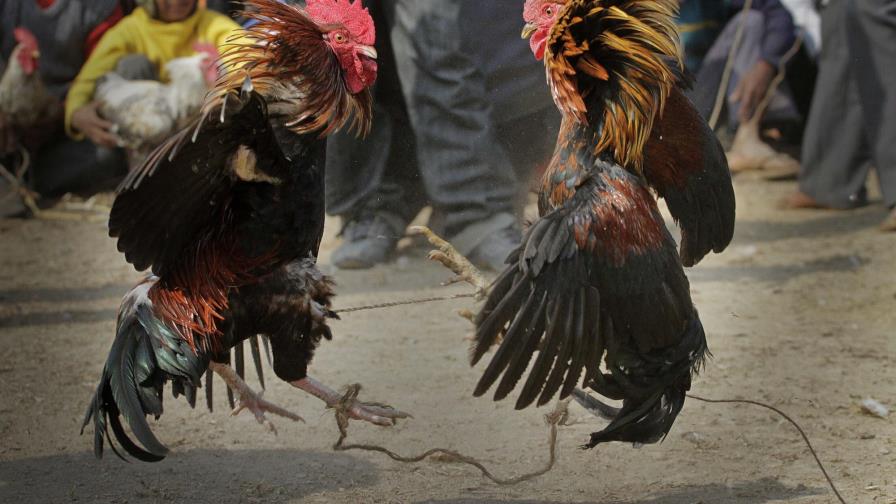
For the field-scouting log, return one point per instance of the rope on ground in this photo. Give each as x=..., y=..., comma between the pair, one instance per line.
x=16, y=182
x=792, y=422
x=554, y=419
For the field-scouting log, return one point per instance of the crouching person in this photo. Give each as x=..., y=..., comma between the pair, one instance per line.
x=158, y=41
x=43, y=44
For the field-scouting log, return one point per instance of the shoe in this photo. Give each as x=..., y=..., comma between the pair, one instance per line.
x=889, y=224
x=492, y=252
x=367, y=242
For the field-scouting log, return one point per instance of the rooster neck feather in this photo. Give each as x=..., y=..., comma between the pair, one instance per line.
x=611, y=65
x=288, y=60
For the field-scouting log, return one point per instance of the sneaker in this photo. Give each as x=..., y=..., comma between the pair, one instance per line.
x=492, y=252
x=367, y=242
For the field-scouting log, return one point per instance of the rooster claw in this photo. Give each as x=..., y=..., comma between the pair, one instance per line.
x=375, y=413
x=258, y=406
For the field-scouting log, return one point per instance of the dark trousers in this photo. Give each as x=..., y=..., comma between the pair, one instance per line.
x=434, y=140
x=852, y=126
x=70, y=166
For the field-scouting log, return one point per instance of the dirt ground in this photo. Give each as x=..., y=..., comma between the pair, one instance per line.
x=800, y=312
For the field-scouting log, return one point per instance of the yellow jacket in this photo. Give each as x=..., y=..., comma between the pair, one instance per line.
x=138, y=33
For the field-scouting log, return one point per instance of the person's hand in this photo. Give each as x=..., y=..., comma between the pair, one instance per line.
x=752, y=89
x=88, y=121
x=7, y=136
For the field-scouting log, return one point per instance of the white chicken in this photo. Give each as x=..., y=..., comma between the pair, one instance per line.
x=147, y=112
x=24, y=99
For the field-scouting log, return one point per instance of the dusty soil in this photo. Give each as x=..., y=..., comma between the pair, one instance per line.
x=800, y=313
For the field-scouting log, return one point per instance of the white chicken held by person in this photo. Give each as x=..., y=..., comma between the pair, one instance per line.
x=146, y=112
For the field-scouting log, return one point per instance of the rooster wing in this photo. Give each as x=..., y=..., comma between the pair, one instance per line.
x=177, y=204
x=598, y=274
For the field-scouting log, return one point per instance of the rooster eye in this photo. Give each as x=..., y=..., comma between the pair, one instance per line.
x=340, y=38
x=549, y=11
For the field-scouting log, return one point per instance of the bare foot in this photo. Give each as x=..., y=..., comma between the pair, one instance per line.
x=800, y=200
x=889, y=224
x=251, y=400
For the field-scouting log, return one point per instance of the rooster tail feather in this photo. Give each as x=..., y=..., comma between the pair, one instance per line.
x=653, y=395
x=117, y=395
x=145, y=355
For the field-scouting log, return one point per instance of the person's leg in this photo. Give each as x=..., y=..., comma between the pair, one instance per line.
x=467, y=175
x=529, y=142
x=835, y=154
x=872, y=43
x=66, y=165
x=373, y=183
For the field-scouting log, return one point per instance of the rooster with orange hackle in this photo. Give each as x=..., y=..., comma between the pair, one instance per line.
x=596, y=295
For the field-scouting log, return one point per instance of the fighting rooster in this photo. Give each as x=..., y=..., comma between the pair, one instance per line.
x=229, y=215
x=597, y=276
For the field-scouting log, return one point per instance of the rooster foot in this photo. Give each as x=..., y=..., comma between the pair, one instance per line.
x=348, y=406
x=251, y=400
x=375, y=413
x=463, y=269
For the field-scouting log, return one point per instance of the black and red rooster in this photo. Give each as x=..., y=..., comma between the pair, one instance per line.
x=229, y=214
x=598, y=278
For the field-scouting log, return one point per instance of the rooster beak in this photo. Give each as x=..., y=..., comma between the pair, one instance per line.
x=368, y=51
x=528, y=30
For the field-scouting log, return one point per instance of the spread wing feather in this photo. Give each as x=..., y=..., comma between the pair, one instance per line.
x=178, y=200
x=598, y=274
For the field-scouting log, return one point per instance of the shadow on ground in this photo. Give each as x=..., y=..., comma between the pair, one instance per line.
x=201, y=476
x=64, y=295
x=779, y=273
x=50, y=318
x=761, y=491
x=834, y=223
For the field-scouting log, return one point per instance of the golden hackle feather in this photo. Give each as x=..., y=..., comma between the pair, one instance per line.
x=287, y=60
x=632, y=47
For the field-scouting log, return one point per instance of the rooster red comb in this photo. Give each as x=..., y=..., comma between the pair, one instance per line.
x=25, y=37
x=349, y=13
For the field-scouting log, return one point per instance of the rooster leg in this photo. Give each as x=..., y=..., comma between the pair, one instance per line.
x=455, y=261
x=251, y=400
x=375, y=413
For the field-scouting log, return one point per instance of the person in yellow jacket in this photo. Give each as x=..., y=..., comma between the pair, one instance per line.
x=158, y=31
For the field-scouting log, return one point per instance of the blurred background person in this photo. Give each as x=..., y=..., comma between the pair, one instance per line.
x=852, y=125
x=66, y=31
x=138, y=48
x=768, y=33
x=461, y=119
x=770, y=140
